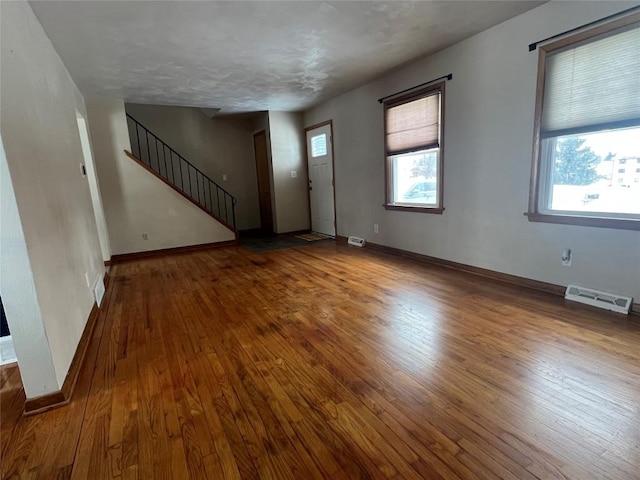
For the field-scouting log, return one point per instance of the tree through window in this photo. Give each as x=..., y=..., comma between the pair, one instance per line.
x=588, y=129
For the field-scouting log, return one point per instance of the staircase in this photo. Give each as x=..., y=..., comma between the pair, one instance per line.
x=172, y=168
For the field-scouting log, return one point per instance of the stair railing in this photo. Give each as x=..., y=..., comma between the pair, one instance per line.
x=182, y=174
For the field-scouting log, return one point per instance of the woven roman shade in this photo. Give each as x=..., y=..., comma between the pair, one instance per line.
x=594, y=85
x=413, y=125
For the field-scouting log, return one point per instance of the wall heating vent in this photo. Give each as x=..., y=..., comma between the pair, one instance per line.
x=608, y=301
x=98, y=290
x=356, y=241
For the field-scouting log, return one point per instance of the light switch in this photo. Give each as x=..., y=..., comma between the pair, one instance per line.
x=224, y=177
x=294, y=174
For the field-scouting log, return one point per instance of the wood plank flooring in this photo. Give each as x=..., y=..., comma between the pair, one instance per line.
x=333, y=362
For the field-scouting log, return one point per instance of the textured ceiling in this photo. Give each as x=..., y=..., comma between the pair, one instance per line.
x=245, y=56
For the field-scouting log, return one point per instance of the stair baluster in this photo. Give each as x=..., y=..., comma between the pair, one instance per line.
x=150, y=144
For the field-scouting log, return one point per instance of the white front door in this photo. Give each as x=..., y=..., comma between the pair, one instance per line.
x=320, y=159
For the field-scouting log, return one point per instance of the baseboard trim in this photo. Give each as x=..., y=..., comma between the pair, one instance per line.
x=45, y=403
x=126, y=257
x=540, y=286
x=62, y=397
x=106, y=280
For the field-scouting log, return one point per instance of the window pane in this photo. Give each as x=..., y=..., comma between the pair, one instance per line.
x=415, y=178
x=588, y=172
x=319, y=145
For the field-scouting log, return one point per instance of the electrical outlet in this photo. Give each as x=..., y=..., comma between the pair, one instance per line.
x=224, y=177
x=566, y=257
x=145, y=236
x=294, y=174
x=375, y=228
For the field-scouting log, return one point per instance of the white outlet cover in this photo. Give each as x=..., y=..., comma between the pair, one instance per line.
x=294, y=174
x=224, y=177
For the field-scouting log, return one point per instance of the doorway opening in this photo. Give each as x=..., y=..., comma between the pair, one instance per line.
x=88, y=169
x=7, y=352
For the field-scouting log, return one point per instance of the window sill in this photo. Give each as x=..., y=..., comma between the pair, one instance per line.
x=602, y=222
x=405, y=208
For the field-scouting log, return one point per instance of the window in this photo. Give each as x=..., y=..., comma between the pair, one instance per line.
x=319, y=145
x=587, y=124
x=413, y=150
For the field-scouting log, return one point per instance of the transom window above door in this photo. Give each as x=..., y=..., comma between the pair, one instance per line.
x=319, y=145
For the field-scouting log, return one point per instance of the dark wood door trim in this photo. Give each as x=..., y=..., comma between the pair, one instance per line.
x=266, y=211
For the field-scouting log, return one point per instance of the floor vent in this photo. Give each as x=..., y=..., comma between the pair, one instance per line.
x=98, y=290
x=608, y=301
x=356, y=241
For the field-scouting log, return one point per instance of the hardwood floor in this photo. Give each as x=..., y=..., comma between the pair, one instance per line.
x=333, y=362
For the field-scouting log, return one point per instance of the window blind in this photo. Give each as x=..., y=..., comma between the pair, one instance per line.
x=596, y=84
x=413, y=125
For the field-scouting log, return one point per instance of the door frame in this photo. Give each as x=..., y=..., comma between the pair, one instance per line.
x=333, y=170
x=90, y=174
x=271, y=228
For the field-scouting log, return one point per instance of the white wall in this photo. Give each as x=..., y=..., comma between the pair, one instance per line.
x=136, y=202
x=488, y=141
x=218, y=146
x=39, y=101
x=291, y=197
x=19, y=296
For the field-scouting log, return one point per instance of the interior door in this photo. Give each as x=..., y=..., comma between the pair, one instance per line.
x=264, y=185
x=321, y=186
